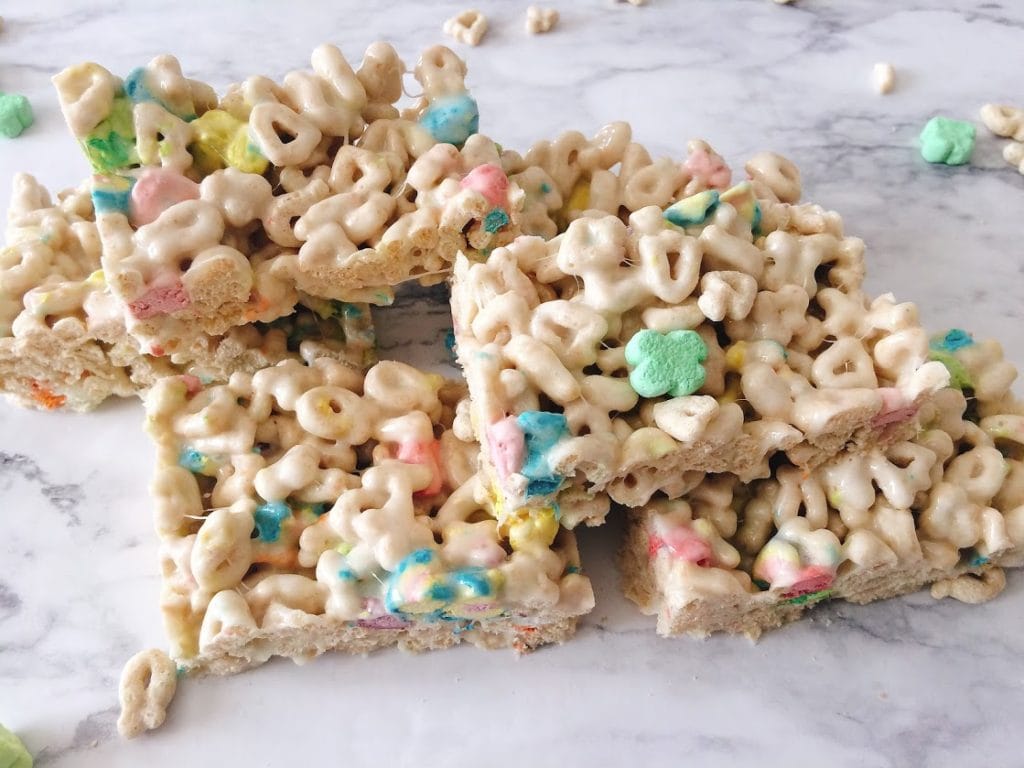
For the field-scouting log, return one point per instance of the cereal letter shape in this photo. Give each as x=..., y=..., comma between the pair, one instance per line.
x=147, y=686
x=666, y=362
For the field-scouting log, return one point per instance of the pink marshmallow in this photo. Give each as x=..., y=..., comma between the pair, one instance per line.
x=507, y=446
x=709, y=169
x=811, y=579
x=387, y=621
x=192, y=383
x=683, y=544
x=160, y=300
x=428, y=454
x=490, y=181
x=156, y=190
x=895, y=408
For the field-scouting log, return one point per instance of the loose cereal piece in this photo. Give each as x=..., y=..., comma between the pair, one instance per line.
x=944, y=508
x=540, y=20
x=468, y=27
x=1013, y=153
x=1004, y=120
x=884, y=77
x=307, y=508
x=15, y=115
x=971, y=588
x=148, y=683
x=13, y=753
x=627, y=359
x=946, y=141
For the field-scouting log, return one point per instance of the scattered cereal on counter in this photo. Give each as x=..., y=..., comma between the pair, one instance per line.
x=468, y=27
x=1013, y=153
x=148, y=683
x=15, y=114
x=12, y=752
x=1004, y=121
x=884, y=77
x=971, y=588
x=947, y=141
x=540, y=20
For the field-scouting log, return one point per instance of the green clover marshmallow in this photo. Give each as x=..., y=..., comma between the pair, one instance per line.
x=947, y=141
x=666, y=362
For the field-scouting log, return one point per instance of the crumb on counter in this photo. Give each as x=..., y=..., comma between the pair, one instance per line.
x=540, y=20
x=468, y=27
x=884, y=77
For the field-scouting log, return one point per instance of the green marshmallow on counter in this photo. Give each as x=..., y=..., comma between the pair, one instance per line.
x=15, y=114
x=947, y=141
x=12, y=752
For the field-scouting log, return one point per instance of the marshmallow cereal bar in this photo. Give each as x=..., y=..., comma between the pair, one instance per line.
x=707, y=336
x=946, y=507
x=216, y=212
x=63, y=341
x=305, y=508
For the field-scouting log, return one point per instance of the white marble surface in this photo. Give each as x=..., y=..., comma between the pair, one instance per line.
x=910, y=682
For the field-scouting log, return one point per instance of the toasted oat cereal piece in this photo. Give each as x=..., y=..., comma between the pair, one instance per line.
x=884, y=77
x=216, y=213
x=1013, y=153
x=1004, y=120
x=305, y=508
x=629, y=359
x=540, y=20
x=468, y=27
x=148, y=684
x=945, y=508
x=62, y=339
x=972, y=588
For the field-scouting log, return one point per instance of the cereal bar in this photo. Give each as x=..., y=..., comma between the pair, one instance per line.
x=63, y=341
x=946, y=506
x=214, y=213
x=305, y=508
x=703, y=337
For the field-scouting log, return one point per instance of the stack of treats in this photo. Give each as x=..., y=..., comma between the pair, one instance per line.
x=639, y=337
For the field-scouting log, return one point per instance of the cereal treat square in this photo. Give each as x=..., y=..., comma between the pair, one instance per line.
x=218, y=212
x=305, y=508
x=629, y=359
x=62, y=339
x=945, y=508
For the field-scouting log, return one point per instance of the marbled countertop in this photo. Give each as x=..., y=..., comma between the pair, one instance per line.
x=909, y=682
